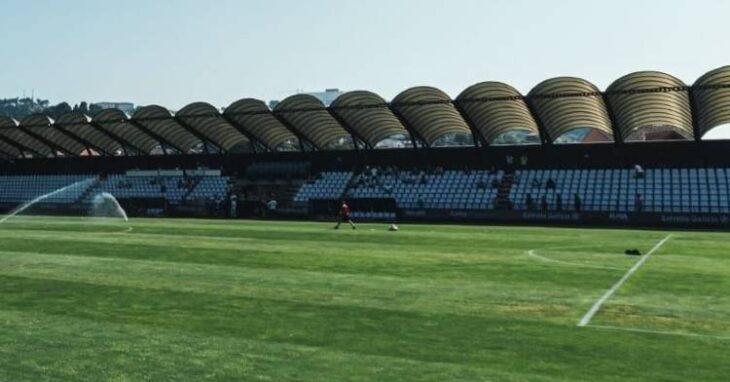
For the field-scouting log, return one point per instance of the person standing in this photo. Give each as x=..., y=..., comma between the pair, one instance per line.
x=234, y=206
x=344, y=215
x=558, y=202
x=271, y=207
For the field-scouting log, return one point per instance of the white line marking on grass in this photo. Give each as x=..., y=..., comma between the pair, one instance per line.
x=598, y=304
x=533, y=253
x=660, y=332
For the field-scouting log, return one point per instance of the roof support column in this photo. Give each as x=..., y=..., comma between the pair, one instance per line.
x=475, y=132
x=302, y=138
x=415, y=136
x=618, y=137
x=22, y=148
x=544, y=134
x=6, y=154
x=241, y=129
x=353, y=133
x=48, y=143
x=122, y=142
x=162, y=141
x=694, y=112
x=203, y=138
x=89, y=146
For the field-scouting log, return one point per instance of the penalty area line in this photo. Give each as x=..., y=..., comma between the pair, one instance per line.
x=658, y=332
x=599, y=303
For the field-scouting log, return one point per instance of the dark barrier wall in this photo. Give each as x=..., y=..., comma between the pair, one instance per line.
x=648, y=154
x=574, y=218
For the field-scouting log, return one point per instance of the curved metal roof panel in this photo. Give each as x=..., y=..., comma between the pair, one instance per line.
x=9, y=149
x=255, y=117
x=206, y=120
x=77, y=124
x=116, y=123
x=10, y=129
x=368, y=114
x=580, y=105
x=430, y=112
x=160, y=121
x=496, y=108
x=712, y=99
x=637, y=103
x=309, y=116
x=42, y=125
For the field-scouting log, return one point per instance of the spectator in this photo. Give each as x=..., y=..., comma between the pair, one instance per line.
x=577, y=203
x=544, y=203
x=271, y=207
x=638, y=203
x=550, y=184
x=529, y=202
x=638, y=172
x=234, y=206
x=558, y=202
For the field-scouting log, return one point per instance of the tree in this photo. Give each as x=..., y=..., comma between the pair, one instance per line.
x=84, y=107
x=57, y=111
x=94, y=109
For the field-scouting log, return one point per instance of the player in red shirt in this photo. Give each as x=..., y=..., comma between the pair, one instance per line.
x=344, y=215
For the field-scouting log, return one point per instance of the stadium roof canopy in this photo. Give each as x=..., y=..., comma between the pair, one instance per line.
x=640, y=106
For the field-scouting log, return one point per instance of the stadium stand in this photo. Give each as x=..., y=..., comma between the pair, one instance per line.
x=125, y=187
x=19, y=189
x=567, y=147
x=329, y=185
x=210, y=186
x=597, y=190
x=446, y=189
x=78, y=191
x=686, y=190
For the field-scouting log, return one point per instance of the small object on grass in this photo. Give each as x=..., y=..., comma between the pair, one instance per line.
x=633, y=252
x=393, y=227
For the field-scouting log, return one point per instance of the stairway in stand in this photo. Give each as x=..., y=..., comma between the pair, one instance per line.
x=91, y=190
x=502, y=201
x=196, y=181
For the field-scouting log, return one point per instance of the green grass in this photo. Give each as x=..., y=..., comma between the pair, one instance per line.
x=194, y=300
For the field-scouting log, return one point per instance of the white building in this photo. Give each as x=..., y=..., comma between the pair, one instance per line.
x=127, y=107
x=327, y=97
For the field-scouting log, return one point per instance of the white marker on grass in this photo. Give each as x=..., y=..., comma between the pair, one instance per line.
x=597, y=305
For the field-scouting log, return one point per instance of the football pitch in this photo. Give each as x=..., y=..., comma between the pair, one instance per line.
x=196, y=300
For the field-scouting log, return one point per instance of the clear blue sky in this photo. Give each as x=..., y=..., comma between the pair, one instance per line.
x=175, y=52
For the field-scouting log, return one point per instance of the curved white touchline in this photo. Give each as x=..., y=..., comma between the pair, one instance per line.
x=533, y=253
x=660, y=332
x=599, y=303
